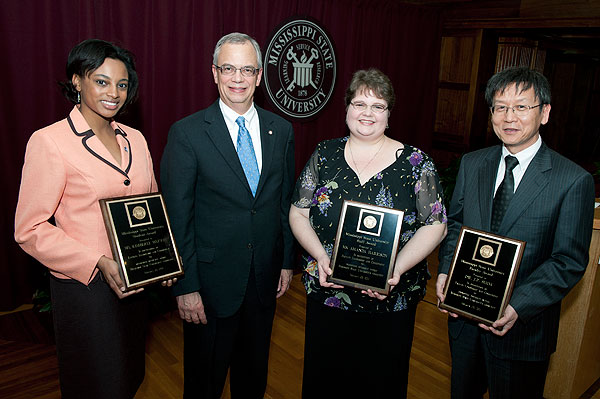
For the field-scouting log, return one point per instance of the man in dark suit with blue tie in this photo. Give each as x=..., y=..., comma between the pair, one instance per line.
x=522, y=190
x=227, y=174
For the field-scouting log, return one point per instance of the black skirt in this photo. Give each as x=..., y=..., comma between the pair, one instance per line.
x=356, y=354
x=100, y=339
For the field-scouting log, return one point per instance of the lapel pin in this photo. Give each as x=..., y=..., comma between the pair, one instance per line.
x=270, y=132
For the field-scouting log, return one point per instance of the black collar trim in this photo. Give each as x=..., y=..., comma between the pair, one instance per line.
x=85, y=136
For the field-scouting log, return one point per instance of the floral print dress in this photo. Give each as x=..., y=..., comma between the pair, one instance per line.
x=410, y=184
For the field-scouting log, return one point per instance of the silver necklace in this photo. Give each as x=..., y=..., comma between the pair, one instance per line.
x=358, y=172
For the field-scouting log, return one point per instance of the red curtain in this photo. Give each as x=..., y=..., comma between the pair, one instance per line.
x=173, y=43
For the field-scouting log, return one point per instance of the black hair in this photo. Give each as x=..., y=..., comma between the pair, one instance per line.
x=88, y=56
x=524, y=78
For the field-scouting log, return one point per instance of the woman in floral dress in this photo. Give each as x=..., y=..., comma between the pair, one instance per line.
x=357, y=343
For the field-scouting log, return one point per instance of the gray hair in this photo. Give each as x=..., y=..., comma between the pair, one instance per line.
x=237, y=38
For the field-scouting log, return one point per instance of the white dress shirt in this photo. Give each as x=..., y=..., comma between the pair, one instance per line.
x=524, y=157
x=252, y=124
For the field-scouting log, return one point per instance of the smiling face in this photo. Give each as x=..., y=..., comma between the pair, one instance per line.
x=237, y=91
x=367, y=124
x=103, y=91
x=518, y=132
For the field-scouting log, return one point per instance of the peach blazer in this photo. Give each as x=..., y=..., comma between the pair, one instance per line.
x=66, y=171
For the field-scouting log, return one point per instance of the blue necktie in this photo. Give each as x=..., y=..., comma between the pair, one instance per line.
x=504, y=193
x=245, y=151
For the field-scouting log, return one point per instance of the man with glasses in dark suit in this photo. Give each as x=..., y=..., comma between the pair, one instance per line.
x=522, y=190
x=227, y=175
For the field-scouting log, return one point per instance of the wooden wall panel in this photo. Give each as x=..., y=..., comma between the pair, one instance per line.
x=451, y=113
x=517, y=51
x=559, y=9
x=456, y=58
x=576, y=363
x=484, y=9
x=457, y=89
x=573, y=128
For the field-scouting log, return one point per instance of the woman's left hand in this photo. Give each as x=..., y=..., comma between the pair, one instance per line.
x=374, y=294
x=393, y=282
x=421, y=244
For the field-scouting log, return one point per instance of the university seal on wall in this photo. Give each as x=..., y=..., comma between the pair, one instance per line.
x=299, y=68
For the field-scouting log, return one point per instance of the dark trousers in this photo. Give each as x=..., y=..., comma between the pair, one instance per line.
x=100, y=339
x=239, y=343
x=356, y=354
x=475, y=370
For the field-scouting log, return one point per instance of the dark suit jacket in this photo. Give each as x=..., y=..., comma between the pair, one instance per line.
x=552, y=210
x=219, y=227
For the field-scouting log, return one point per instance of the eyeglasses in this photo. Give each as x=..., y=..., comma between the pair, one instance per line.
x=377, y=108
x=519, y=110
x=228, y=70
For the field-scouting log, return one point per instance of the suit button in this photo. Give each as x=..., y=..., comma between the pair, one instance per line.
x=249, y=246
x=127, y=182
x=253, y=212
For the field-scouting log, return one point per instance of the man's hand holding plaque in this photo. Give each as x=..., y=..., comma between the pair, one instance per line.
x=481, y=279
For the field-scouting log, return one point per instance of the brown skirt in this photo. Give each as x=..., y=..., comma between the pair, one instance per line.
x=100, y=339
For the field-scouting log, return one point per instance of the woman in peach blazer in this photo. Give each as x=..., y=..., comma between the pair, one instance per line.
x=69, y=166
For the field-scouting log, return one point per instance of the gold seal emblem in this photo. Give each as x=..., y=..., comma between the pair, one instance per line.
x=139, y=212
x=370, y=222
x=486, y=251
